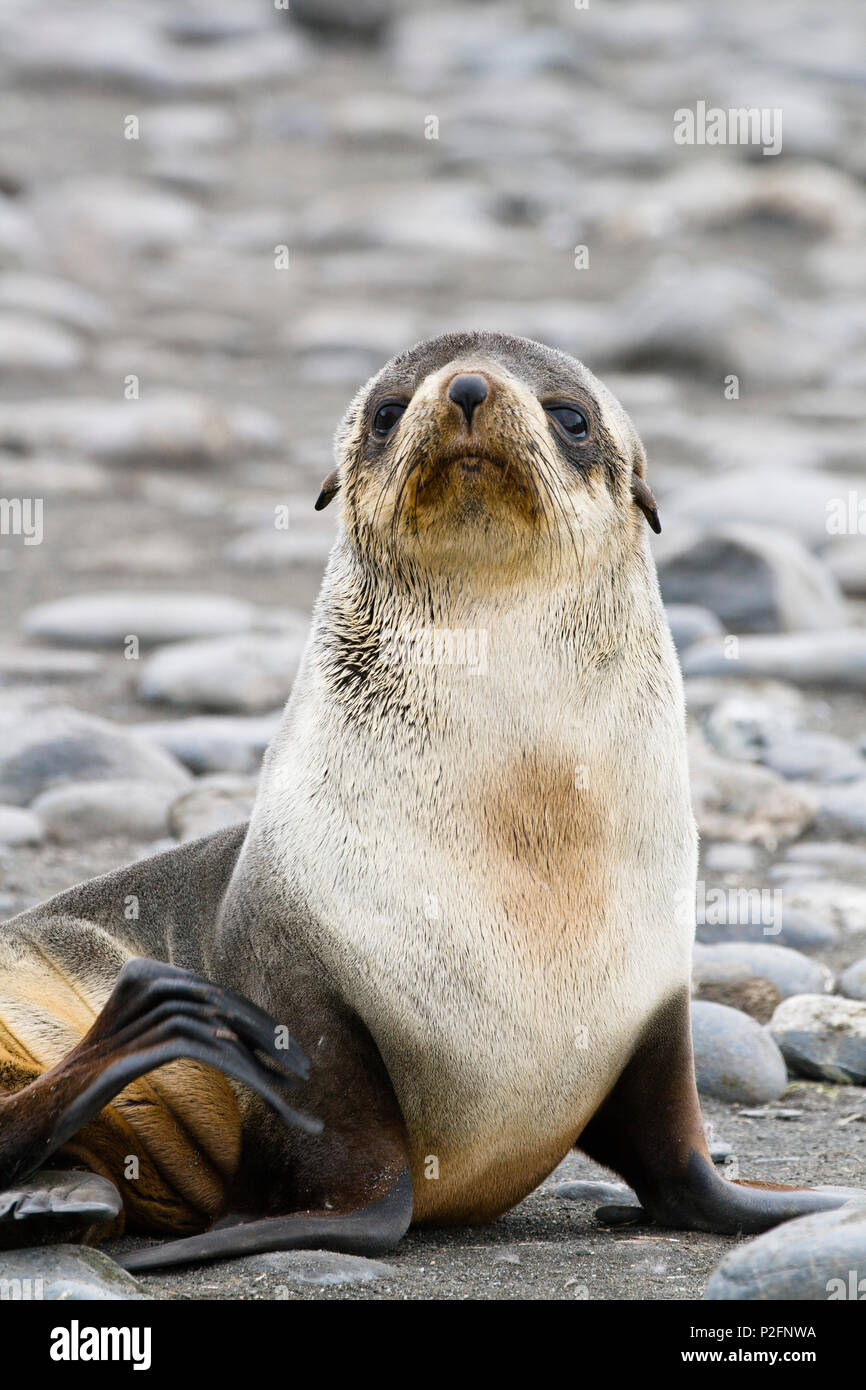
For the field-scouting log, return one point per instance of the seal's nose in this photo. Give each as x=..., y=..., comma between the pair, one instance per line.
x=468, y=391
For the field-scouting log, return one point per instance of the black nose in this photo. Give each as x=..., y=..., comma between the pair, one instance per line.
x=468, y=391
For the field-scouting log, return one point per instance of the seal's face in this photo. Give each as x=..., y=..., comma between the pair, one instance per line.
x=476, y=449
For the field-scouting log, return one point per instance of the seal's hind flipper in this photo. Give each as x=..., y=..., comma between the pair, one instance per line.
x=372, y=1230
x=650, y=1131
x=73, y=1076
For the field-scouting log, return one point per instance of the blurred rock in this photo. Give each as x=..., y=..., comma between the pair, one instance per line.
x=815, y=658
x=756, y=579
x=59, y=745
x=30, y=344
x=821, y=757
x=842, y=809
x=364, y=20
x=272, y=549
x=725, y=857
x=823, y=1036
x=45, y=664
x=845, y=557
x=48, y=297
x=167, y=427
x=108, y=620
x=792, y=500
x=689, y=622
x=213, y=744
x=19, y=827
x=242, y=675
x=743, y=803
x=214, y=803
x=840, y=906
x=735, y=1058
x=741, y=726
x=852, y=982
x=79, y=812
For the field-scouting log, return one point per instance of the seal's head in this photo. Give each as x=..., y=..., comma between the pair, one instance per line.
x=479, y=448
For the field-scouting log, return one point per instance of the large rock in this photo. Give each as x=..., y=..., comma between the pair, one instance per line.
x=61, y=745
x=67, y=1273
x=20, y=827
x=689, y=622
x=62, y=1204
x=754, y=976
x=796, y=500
x=842, y=809
x=108, y=620
x=163, y=428
x=743, y=803
x=818, y=756
x=815, y=1258
x=740, y=725
x=823, y=1036
x=325, y=1268
x=815, y=658
x=852, y=982
x=213, y=743
x=735, y=1058
x=755, y=578
x=31, y=345
x=241, y=675
x=214, y=803
x=79, y=812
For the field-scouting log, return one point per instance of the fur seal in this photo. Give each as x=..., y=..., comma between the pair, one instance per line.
x=460, y=918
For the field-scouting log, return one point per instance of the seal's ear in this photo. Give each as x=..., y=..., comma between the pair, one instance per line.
x=330, y=488
x=647, y=503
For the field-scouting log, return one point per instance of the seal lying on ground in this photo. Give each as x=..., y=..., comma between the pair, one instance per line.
x=462, y=889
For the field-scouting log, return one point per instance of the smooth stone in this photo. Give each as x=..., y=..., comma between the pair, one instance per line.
x=44, y=663
x=163, y=428
x=54, y=1203
x=755, y=976
x=60, y=745
x=743, y=803
x=841, y=906
x=591, y=1190
x=70, y=1273
x=361, y=20
x=215, y=743
x=322, y=1267
x=689, y=622
x=817, y=756
x=823, y=1036
x=815, y=658
x=842, y=808
x=51, y=298
x=808, y=1259
x=20, y=827
x=243, y=675
x=740, y=726
x=720, y=1152
x=79, y=812
x=835, y=855
x=31, y=345
x=852, y=982
x=216, y=802
x=272, y=549
x=728, y=857
x=735, y=1058
x=794, y=499
x=845, y=557
x=108, y=620
x=756, y=579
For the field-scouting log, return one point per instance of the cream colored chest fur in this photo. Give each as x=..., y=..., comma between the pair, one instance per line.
x=502, y=894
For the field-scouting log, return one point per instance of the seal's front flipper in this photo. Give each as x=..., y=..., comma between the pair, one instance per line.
x=372, y=1230
x=650, y=1131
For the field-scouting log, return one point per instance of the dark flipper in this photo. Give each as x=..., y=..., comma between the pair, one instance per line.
x=372, y=1230
x=156, y=1013
x=650, y=1131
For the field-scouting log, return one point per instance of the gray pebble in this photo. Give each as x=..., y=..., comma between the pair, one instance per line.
x=823, y=1037
x=240, y=675
x=109, y=619
x=810, y=1258
x=323, y=1267
x=69, y=1273
x=852, y=982
x=735, y=1058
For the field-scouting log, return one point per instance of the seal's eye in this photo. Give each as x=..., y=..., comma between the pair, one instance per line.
x=571, y=420
x=386, y=418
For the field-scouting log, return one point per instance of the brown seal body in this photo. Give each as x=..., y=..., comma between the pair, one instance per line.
x=466, y=890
